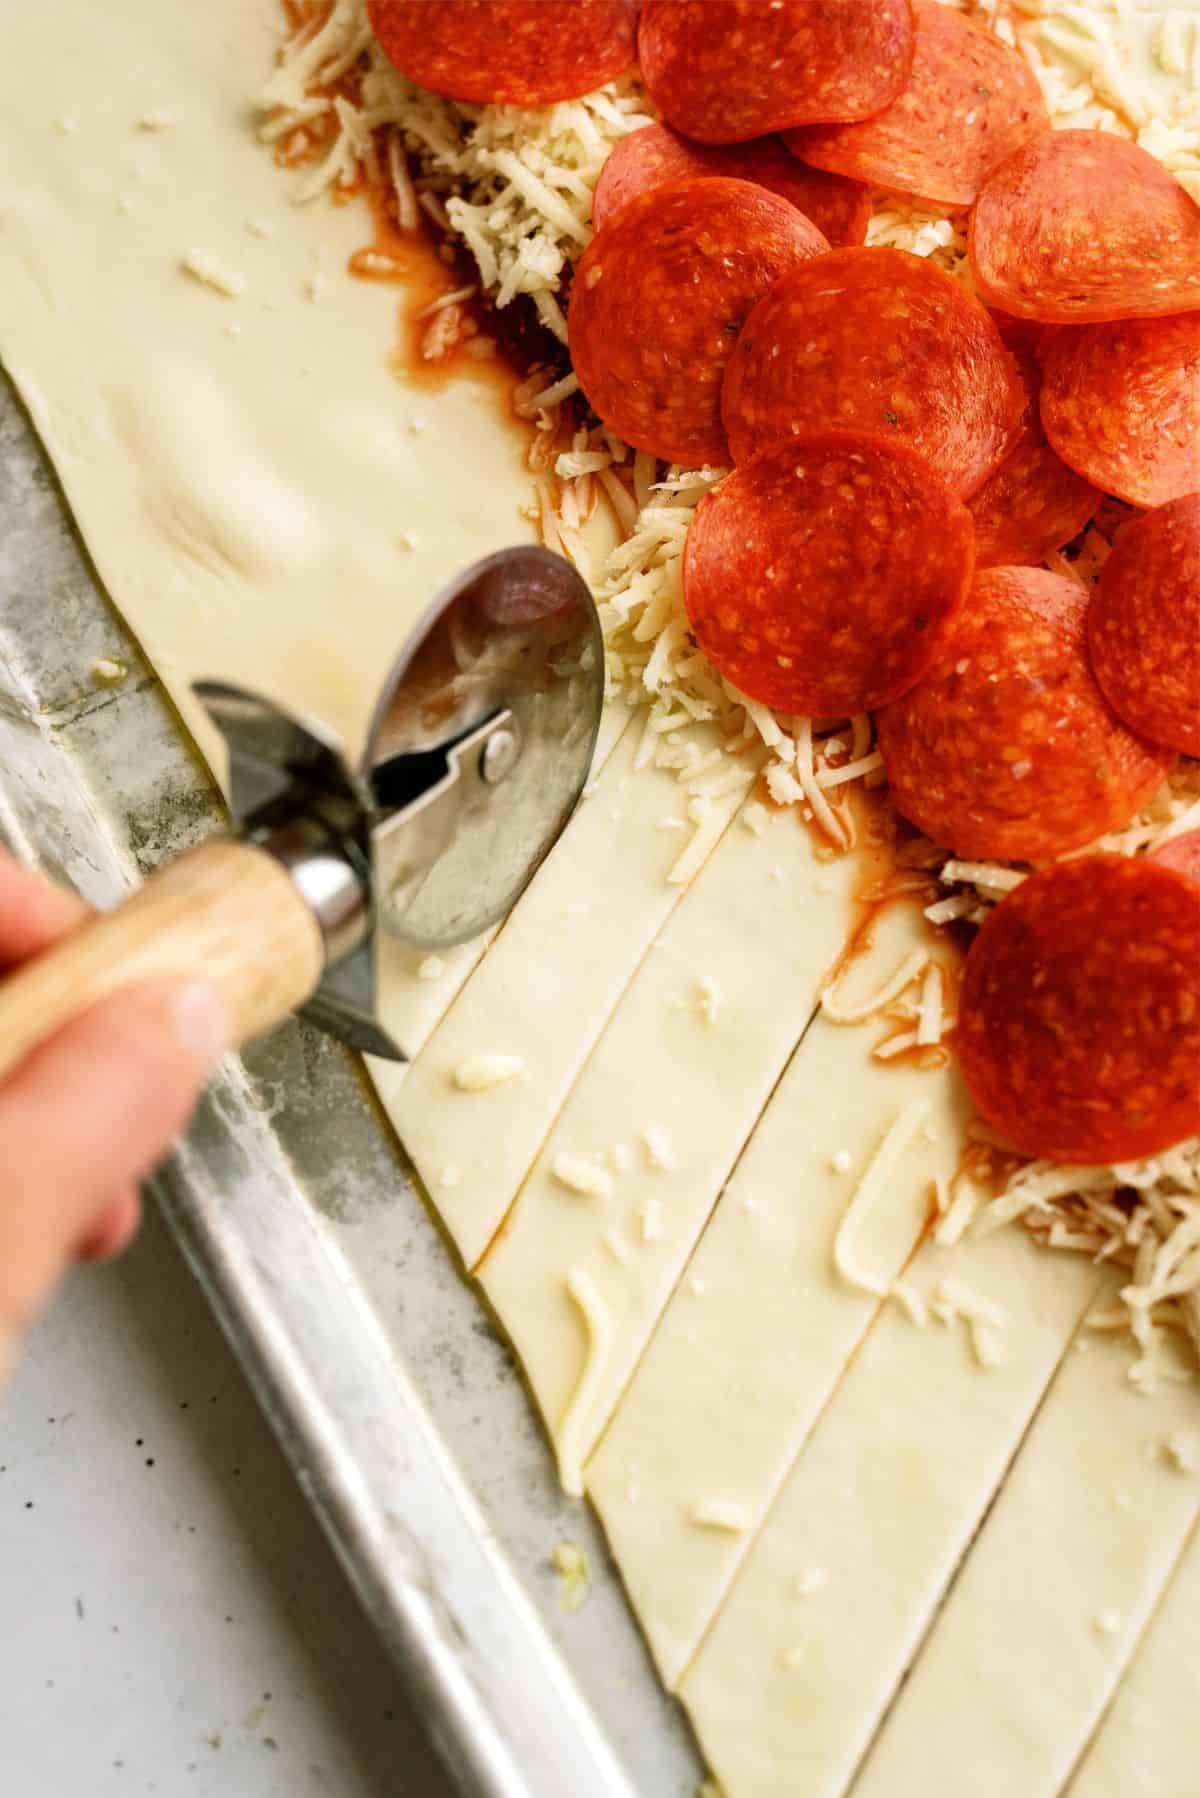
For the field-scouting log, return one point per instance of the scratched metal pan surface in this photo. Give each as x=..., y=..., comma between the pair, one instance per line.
x=392, y=1393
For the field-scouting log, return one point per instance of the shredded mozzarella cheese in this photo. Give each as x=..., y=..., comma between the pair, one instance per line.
x=515, y=187
x=1143, y=1217
x=583, y=1176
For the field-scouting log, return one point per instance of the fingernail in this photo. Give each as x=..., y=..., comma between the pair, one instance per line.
x=201, y=1024
x=112, y=1232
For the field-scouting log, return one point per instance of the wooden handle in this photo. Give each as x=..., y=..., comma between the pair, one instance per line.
x=225, y=912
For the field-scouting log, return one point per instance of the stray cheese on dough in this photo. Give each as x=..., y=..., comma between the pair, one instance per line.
x=720, y=1514
x=660, y=1154
x=214, y=274
x=843, y=1011
x=479, y=1073
x=813, y=1579
x=853, y=1231
x=578, y=1174
x=652, y=1220
x=575, y=1432
x=708, y=999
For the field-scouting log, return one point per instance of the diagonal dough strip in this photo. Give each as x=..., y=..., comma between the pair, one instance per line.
x=684, y=1431
x=1058, y=1586
x=545, y=993
x=693, y=1049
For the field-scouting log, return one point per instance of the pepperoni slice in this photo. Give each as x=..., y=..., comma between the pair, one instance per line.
x=1082, y=226
x=1033, y=503
x=656, y=155
x=970, y=103
x=517, y=52
x=1144, y=625
x=722, y=71
x=825, y=576
x=658, y=299
x=1079, y=1015
x=1008, y=748
x=878, y=341
x=1181, y=852
x=1121, y=405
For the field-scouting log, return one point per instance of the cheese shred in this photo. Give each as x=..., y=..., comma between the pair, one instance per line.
x=857, y=1268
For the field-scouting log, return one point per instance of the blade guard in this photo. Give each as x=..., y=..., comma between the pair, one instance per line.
x=481, y=744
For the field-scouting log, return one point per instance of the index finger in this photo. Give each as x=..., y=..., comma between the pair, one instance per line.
x=33, y=912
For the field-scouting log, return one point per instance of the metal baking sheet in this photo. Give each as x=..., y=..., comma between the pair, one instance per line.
x=394, y=1395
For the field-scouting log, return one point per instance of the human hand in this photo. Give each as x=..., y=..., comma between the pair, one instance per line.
x=90, y=1111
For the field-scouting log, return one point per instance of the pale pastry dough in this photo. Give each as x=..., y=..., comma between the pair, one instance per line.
x=693, y=1050
x=246, y=470
x=418, y=988
x=1146, y=1745
x=788, y=1689
x=1065, y=1574
x=546, y=992
x=684, y=1431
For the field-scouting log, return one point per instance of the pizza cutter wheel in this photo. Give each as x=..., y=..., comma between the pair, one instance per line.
x=478, y=751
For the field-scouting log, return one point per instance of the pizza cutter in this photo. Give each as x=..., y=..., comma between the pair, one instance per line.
x=476, y=755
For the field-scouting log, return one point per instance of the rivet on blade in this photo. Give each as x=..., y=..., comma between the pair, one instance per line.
x=499, y=755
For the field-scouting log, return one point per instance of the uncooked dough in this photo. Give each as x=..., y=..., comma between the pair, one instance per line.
x=883, y=1501
x=1055, y=1593
x=270, y=504
x=589, y=917
x=247, y=471
x=1146, y=1745
x=694, y=1048
x=684, y=1432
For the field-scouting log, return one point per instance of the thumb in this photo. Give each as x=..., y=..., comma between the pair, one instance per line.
x=88, y=1112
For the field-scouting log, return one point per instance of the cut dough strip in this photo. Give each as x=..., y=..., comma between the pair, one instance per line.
x=1146, y=1745
x=692, y=1053
x=545, y=993
x=684, y=1431
x=1055, y=1593
x=416, y=990
x=884, y=1499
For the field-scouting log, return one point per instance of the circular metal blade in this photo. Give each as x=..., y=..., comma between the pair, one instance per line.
x=482, y=742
